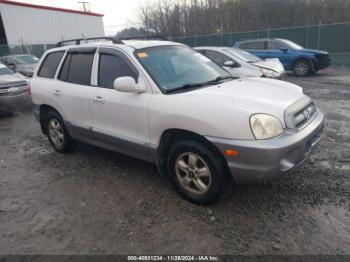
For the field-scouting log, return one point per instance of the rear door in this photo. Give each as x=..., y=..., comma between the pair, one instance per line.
x=119, y=119
x=73, y=88
x=257, y=48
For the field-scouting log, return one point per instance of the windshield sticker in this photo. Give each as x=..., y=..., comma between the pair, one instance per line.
x=142, y=55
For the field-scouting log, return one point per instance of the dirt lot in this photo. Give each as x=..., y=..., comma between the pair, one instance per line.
x=98, y=202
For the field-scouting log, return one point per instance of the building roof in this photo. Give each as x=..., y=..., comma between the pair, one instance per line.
x=48, y=8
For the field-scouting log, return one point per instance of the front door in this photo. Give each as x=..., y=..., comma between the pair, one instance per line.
x=119, y=119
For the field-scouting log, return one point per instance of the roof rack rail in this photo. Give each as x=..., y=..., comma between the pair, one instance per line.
x=78, y=40
x=144, y=37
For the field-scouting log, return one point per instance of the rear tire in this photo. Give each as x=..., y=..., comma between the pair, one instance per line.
x=197, y=173
x=302, y=67
x=57, y=133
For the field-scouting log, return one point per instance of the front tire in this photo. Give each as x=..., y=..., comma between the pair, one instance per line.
x=302, y=67
x=57, y=133
x=198, y=174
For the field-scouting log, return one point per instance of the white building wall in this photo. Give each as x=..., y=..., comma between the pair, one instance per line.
x=39, y=26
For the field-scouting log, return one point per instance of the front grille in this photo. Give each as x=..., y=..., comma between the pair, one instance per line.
x=323, y=59
x=300, y=113
x=304, y=115
x=14, y=90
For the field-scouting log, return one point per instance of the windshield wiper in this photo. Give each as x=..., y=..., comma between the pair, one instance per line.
x=194, y=85
x=185, y=86
x=220, y=78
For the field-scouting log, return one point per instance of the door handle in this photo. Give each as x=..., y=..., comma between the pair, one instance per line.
x=98, y=99
x=57, y=92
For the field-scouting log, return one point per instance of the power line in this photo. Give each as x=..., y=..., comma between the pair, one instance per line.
x=140, y=23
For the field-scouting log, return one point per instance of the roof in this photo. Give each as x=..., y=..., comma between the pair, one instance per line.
x=211, y=47
x=48, y=8
x=16, y=55
x=259, y=39
x=139, y=44
x=135, y=44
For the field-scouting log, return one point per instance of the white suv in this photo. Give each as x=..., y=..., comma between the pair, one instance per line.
x=165, y=103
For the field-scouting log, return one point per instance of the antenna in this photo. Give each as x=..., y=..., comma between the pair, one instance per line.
x=83, y=36
x=84, y=5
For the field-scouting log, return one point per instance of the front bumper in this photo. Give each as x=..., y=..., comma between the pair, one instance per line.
x=322, y=62
x=263, y=160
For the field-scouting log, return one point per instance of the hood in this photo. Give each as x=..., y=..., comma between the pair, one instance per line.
x=313, y=51
x=11, y=80
x=272, y=64
x=26, y=67
x=253, y=94
x=244, y=70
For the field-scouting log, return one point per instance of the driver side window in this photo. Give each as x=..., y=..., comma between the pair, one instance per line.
x=217, y=57
x=273, y=45
x=112, y=66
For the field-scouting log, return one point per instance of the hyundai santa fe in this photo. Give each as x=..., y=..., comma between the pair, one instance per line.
x=165, y=103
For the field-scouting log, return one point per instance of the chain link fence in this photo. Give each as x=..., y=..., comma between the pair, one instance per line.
x=334, y=38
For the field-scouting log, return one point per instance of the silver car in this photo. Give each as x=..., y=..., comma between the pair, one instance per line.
x=14, y=91
x=241, y=63
x=24, y=64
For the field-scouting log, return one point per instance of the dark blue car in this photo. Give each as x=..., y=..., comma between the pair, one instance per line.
x=293, y=56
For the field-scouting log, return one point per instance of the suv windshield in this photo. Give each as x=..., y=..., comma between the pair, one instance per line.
x=242, y=55
x=5, y=71
x=179, y=67
x=27, y=59
x=291, y=44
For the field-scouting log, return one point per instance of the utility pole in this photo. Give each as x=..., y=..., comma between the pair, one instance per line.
x=84, y=3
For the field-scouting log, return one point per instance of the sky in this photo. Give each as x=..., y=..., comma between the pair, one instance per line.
x=118, y=14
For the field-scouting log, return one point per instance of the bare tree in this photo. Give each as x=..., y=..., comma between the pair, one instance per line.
x=198, y=17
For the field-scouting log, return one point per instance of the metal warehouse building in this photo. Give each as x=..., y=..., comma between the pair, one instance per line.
x=28, y=24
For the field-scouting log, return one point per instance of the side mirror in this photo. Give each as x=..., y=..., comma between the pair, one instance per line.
x=284, y=50
x=10, y=64
x=231, y=63
x=128, y=84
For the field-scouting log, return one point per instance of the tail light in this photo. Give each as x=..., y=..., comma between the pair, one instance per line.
x=29, y=89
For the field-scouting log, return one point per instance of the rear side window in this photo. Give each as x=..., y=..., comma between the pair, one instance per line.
x=49, y=66
x=253, y=45
x=112, y=67
x=77, y=68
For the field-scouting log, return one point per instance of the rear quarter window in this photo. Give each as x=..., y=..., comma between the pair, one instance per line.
x=49, y=65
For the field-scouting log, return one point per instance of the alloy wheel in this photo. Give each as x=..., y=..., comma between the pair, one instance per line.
x=56, y=132
x=301, y=68
x=193, y=173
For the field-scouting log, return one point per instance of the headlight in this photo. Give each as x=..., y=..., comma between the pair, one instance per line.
x=269, y=73
x=265, y=126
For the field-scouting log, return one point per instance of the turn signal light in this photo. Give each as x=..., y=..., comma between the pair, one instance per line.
x=231, y=152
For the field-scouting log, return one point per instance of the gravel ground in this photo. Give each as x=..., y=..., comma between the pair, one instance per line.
x=98, y=202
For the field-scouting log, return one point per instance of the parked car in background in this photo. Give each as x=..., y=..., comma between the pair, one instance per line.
x=13, y=90
x=165, y=103
x=241, y=63
x=293, y=56
x=24, y=64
